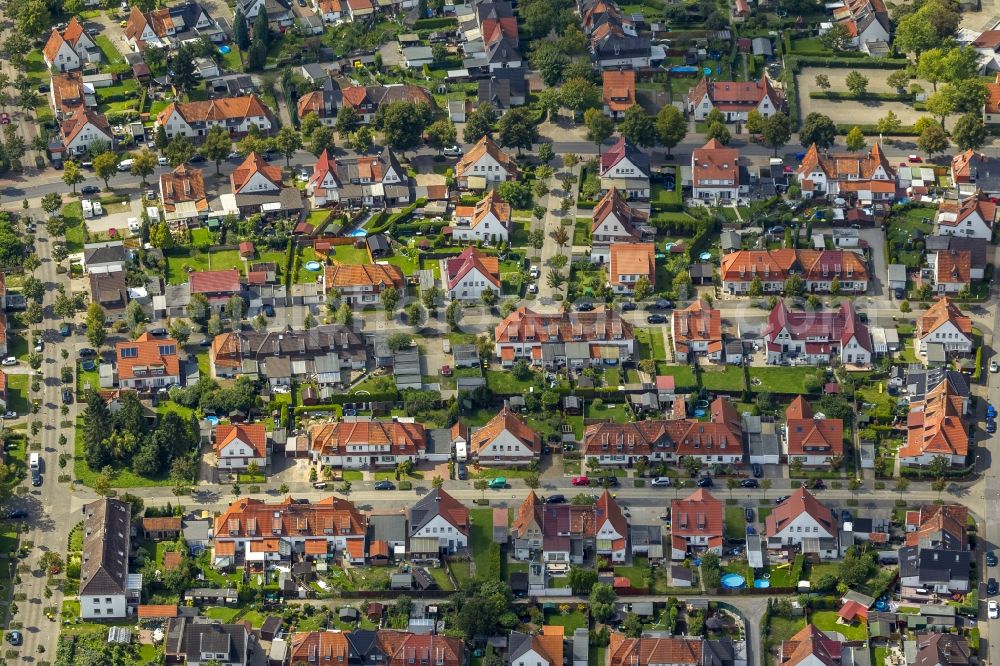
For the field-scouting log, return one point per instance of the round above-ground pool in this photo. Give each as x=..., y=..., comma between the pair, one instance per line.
x=881, y=605
x=224, y=49
x=733, y=581
x=707, y=71
x=214, y=420
x=762, y=583
x=705, y=256
x=313, y=266
x=358, y=233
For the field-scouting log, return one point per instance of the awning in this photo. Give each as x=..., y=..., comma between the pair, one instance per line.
x=225, y=548
x=316, y=547
x=356, y=549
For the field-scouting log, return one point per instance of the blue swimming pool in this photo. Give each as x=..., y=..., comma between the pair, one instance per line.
x=733, y=581
x=213, y=420
x=358, y=233
x=313, y=266
x=224, y=49
x=684, y=69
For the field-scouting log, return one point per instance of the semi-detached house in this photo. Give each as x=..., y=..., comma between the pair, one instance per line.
x=484, y=165
x=235, y=114
x=83, y=128
x=566, y=338
x=968, y=217
x=614, y=221
x=944, y=324
x=252, y=531
x=471, y=273
x=697, y=524
x=367, y=444
x=936, y=426
x=107, y=544
x=560, y=535
x=809, y=439
x=362, y=285
x=817, y=337
x=716, y=174
x=71, y=48
x=803, y=522
x=439, y=515
x=506, y=441
x=817, y=268
x=718, y=441
x=866, y=176
x=147, y=363
x=626, y=169
x=735, y=99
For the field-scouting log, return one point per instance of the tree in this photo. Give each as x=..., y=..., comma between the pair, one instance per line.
x=143, y=164
x=241, y=33
x=682, y=285
x=347, y=119
x=835, y=286
x=638, y=128
x=579, y=94
x=287, y=141
x=399, y=341
x=941, y=105
x=72, y=175
x=261, y=33
x=488, y=297
x=517, y=129
x=256, y=57
x=180, y=331
x=217, y=146
x=969, y=132
x=160, y=138
x=479, y=123
x=95, y=325
x=932, y=140
x=857, y=83
x=199, y=309
x=320, y=140
x=819, y=129
x=545, y=152
x=855, y=139
x=822, y=81
x=756, y=288
x=106, y=166
x=403, y=124
x=184, y=78
x=718, y=131
x=795, y=285
x=642, y=289
x=179, y=151
x=517, y=194
x=671, y=127
x=51, y=202
x=888, y=124
x=938, y=485
x=390, y=297
x=441, y=134
x=362, y=140
x=836, y=37
x=549, y=61
x=599, y=127
x=602, y=602
x=581, y=580
x=236, y=308
x=776, y=131
x=902, y=485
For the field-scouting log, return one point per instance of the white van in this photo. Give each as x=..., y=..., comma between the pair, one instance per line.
x=98, y=210
x=34, y=461
x=88, y=208
x=125, y=165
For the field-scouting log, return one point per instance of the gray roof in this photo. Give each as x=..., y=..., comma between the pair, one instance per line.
x=418, y=53
x=107, y=252
x=517, y=646
x=195, y=530
x=426, y=509
x=681, y=573
x=191, y=639
x=387, y=527
x=897, y=272
x=107, y=541
x=439, y=441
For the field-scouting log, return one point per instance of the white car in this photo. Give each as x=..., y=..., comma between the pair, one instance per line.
x=453, y=151
x=660, y=482
x=993, y=610
x=125, y=165
x=994, y=366
x=162, y=161
x=532, y=288
x=534, y=272
x=10, y=360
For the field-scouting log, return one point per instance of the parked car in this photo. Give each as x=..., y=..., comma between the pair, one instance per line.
x=67, y=396
x=656, y=319
x=15, y=637
x=581, y=481
x=125, y=165
x=994, y=366
x=40, y=345
x=498, y=483
x=17, y=513
x=36, y=478
x=992, y=587
x=64, y=329
x=628, y=306
x=992, y=610
x=453, y=151
x=705, y=482
x=750, y=483
x=748, y=513
x=534, y=272
x=662, y=304
x=43, y=88
x=463, y=473
x=757, y=470
x=555, y=499
x=10, y=415
x=90, y=189
x=268, y=310
x=991, y=412
x=660, y=482
x=609, y=481
x=4, y=119
x=991, y=426
x=584, y=307
x=532, y=288
x=915, y=158
x=158, y=332
x=991, y=558
x=384, y=485
x=781, y=499
x=845, y=516
x=10, y=360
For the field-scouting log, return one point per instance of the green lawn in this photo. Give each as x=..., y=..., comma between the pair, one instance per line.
x=404, y=263
x=111, y=54
x=736, y=524
x=232, y=62
x=224, y=614
x=440, y=576
x=581, y=230
x=614, y=412
x=306, y=255
x=85, y=377
x=827, y=621
x=180, y=259
x=787, y=380
x=481, y=538
x=17, y=393
x=651, y=343
x=348, y=254
x=783, y=628
x=571, y=621
x=683, y=375
x=505, y=383
x=723, y=378
x=17, y=342
x=76, y=232
x=637, y=573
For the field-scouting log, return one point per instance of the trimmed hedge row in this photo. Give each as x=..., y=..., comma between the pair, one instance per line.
x=872, y=130
x=434, y=23
x=396, y=218
x=906, y=98
x=388, y=396
x=874, y=63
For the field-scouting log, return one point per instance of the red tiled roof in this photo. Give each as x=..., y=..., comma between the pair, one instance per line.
x=936, y=426
x=506, y=420
x=253, y=435
x=698, y=514
x=619, y=89
x=940, y=313
x=402, y=438
x=373, y=275
x=225, y=108
x=632, y=259
x=801, y=501
x=713, y=165
x=256, y=518
x=650, y=651
x=157, y=611
x=472, y=259
x=254, y=164
x=485, y=146
x=847, y=166
x=809, y=436
x=215, y=282
x=812, y=646
x=145, y=356
x=953, y=267
x=597, y=326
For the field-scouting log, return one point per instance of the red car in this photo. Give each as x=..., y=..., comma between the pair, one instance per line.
x=4, y=119
x=446, y=371
x=916, y=159
x=581, y=481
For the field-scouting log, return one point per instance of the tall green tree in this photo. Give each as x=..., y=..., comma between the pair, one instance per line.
x=671, y=127
x=776, y=131
x=479, y=123
x=969, y=132
x=261, y=33
x=241, y=33
x=217, y=146
x=638, y=128
x=106, y=166
x=599, y=126
x=819, y=129
x=517, y=129
x=855, y=139
x=441, y=134
x=287, y=141
x=143, y=164
x=933, y=140
x=72, y=175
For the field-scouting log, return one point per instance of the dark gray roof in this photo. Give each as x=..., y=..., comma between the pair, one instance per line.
x=502, y=51
x=439, y=441
x=614, y=46
x=107, y=531
x=425, y=510
x=387, y=527
x=517, y=645
x=984, y=172
x=104, y=253
x=719, y=652
x=364, y=647
x=941, y=649
x=934, y=565
x=192, y=639
x=378, y=242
